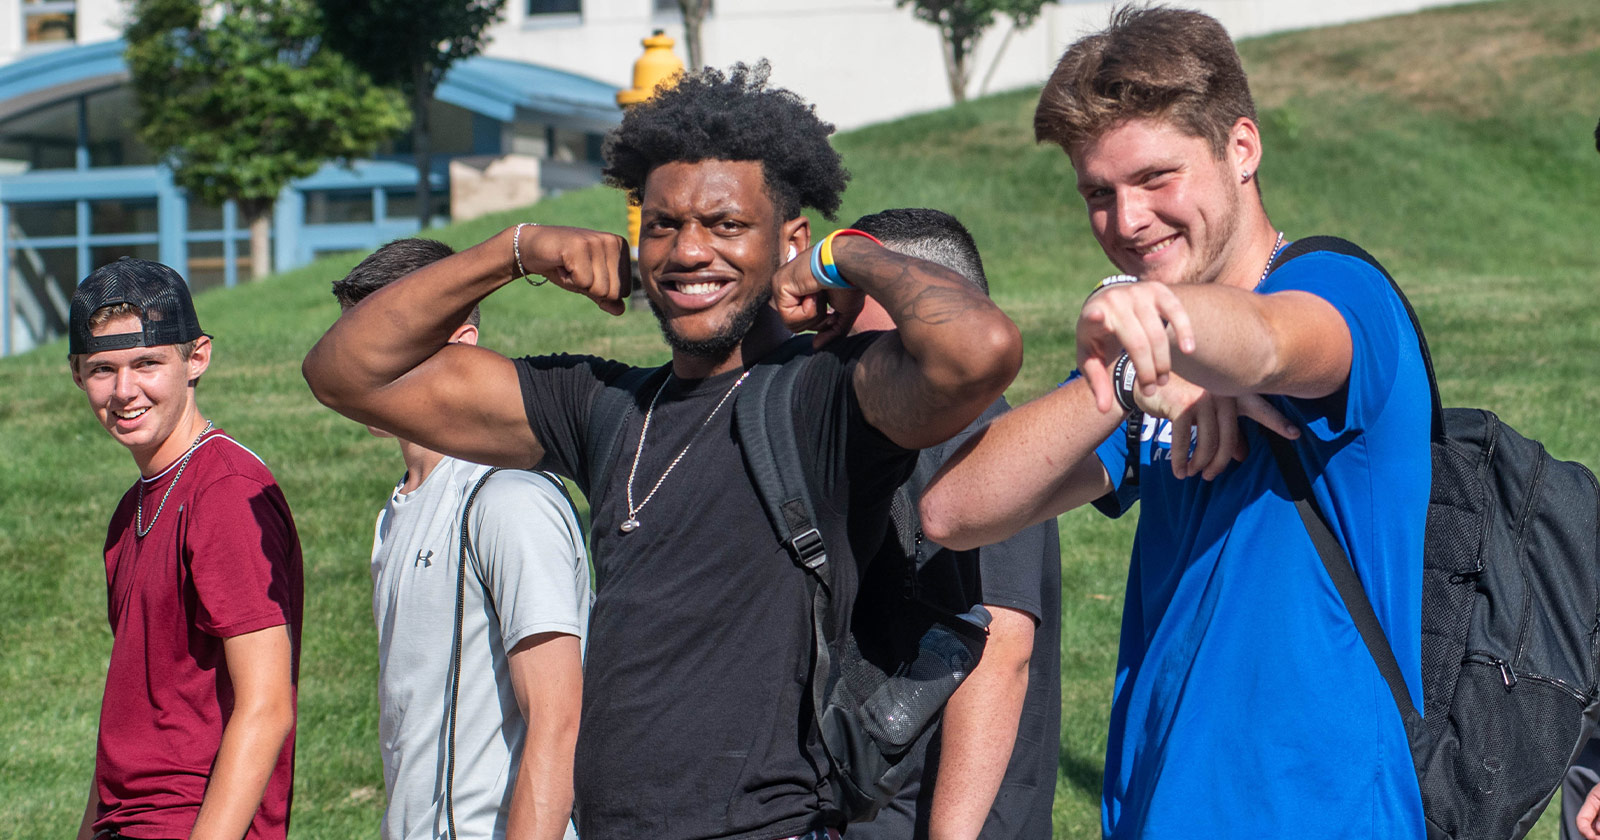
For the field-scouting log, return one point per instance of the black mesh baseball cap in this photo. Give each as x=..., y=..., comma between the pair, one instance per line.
x=159, y=292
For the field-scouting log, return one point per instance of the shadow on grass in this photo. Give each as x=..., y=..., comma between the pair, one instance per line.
x=1083, y=774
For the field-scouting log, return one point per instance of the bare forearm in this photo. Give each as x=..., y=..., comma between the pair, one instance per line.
x=1247, y=343
x=1031, y=464
x=952, y=354
x=541, y=803
x=251, y=742
x=979, y=731
x=547, y=677
x=405, y=323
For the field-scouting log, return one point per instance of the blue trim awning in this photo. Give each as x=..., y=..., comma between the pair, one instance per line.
x=498, y=88
x=57, y=74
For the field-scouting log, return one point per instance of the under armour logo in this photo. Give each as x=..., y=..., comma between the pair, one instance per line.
x=424, y=558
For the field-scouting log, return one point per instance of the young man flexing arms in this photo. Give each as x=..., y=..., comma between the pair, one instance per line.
x=203, y=583
x=1245, y=703
x=696, y=722
x=516, y=687
x=980, y=781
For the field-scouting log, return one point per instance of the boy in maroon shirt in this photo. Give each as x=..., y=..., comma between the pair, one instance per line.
x=203, y=581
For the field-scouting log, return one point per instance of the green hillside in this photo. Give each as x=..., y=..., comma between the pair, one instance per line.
x=1456, y=145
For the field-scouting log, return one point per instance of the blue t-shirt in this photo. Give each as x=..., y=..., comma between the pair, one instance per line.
x=1245, y=704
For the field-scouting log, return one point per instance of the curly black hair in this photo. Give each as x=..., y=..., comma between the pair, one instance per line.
x=735, y=116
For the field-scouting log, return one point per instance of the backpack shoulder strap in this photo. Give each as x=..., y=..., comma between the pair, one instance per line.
x=455, y=655
x=561, y=487
x=1332, y=554
x=1348, y=583
x=1334, y=244
x=764, y=417
x=608, y=417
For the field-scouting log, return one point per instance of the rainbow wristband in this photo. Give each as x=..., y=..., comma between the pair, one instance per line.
x=824, y=261
x=822, y=275
x=822, y=266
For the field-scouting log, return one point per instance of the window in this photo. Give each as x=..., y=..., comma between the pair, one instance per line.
x=208, y=264
x=330, y=207
x=123, y=216
x=106, y=254
x=554, y=7
x=402, y=204
x=42, y=280
x=569, y=146
x=49, y=21
x=113, y=139
x=46, y=138
x=37, y=221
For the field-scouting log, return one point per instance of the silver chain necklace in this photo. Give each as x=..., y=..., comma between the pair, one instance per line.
x=1276, y=247
x=632, y=523
x=138, y=518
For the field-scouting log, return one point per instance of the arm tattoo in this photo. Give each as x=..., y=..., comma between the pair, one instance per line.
x=937, y=300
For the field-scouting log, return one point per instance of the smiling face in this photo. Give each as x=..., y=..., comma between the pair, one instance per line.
x=1161, y=203
x=710, y=239
x=143, y=396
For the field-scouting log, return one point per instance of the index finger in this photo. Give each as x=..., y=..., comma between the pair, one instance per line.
x=1177, y=319
x=1099, y=379
x=1258, y=409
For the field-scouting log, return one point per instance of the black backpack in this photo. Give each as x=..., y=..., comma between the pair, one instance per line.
x=877, y=686
x=1510, y=613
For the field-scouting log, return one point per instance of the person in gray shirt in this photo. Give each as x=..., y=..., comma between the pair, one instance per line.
x=524, y=610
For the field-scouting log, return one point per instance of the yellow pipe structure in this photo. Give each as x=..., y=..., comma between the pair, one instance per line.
x=657, y=66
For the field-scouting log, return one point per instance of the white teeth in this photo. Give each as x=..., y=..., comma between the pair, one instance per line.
x=1158, y=247
x=129, y=415
x=698, y=288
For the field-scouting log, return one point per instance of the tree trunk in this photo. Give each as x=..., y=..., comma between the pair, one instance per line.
x=694, y=14
x=422, y=141
x=261, y=241
x=955, y=67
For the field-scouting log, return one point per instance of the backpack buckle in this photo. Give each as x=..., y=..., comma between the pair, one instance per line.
x=808, y=549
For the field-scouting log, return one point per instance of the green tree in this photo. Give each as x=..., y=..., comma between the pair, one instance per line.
x=411, y=44
x=240, y=98
x=961, y=23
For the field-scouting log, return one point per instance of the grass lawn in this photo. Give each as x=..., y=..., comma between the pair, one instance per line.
x=1456, y=145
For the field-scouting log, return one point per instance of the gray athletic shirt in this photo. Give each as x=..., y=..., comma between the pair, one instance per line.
x=530, y=557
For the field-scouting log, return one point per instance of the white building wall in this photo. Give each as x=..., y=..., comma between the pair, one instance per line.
x=859, y=61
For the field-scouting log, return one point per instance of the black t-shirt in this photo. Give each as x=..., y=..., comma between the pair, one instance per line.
x=1022, y=573
x=696, y=722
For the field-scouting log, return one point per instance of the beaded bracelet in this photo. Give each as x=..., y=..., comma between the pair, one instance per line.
x=516, y=252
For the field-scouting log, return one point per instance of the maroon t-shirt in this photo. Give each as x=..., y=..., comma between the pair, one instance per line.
x=221, y=560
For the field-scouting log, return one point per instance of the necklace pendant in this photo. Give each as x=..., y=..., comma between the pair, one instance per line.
x=628, y=525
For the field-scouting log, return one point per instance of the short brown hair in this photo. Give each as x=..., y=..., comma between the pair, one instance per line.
x=1174, y=65
x=390, y=263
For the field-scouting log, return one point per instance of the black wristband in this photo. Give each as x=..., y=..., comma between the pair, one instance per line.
x=1123, y=377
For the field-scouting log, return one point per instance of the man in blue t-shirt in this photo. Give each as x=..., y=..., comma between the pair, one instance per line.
x=1245, y=703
